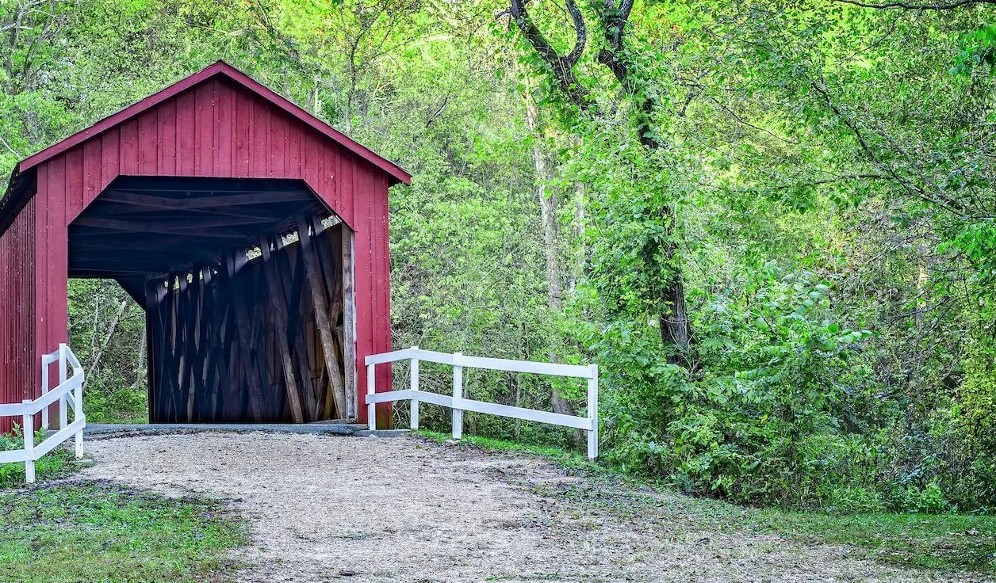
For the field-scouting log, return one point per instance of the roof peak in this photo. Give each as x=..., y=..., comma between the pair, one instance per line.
x=219, y=67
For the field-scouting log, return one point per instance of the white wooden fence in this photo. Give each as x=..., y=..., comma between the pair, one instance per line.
x=68, y=393
x=459, y=404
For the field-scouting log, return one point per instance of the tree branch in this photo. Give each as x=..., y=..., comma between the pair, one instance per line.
x=941, y=200
x=561, y=65
x=614, y=21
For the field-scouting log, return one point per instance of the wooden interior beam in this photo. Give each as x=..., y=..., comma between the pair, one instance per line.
x=348, y=319
x=243, y=326
x=115, y=226
x=207, y=200
x=169, y=227
x=135, y=287
x=313, y=273
x=126, y=203
x=279, y=313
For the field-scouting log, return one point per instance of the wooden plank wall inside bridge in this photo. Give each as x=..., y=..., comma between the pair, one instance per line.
x=247, y=342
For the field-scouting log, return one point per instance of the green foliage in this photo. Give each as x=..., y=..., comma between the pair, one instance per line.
x=978, y=48
x=769, y=421
x=105, y=533
x=115, y=390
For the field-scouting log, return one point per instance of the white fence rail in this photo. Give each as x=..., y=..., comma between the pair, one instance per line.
x=459, y=404
x=68, y=393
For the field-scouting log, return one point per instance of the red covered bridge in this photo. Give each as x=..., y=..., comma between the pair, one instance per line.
x=254, y=235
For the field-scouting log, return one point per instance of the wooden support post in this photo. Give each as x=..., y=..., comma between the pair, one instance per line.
x=78, y=415
x=371, y=407
x=318, y=302
x=244, y=328
x=593, y=412
x=414, y=386
x=279, y=312
x=151, y=360
x=45, y=388
x=348, y=322
x=294, y=274
x=457, y=396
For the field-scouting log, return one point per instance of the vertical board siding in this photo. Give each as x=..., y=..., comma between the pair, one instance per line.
x=225, y=129
x=148, y=137
x=241, y=130
x=17, y=327
x=166, y=138
x=74, y=174
x=92, y=172
x=52, y=255
x=215, y=129
x=128, y=151
x=204, y=129
x=110, y=141
x=185, y=133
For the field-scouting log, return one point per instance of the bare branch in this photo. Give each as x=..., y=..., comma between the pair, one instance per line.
x=915, y=6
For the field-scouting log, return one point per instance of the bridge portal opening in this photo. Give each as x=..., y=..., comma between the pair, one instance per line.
x=247, y=291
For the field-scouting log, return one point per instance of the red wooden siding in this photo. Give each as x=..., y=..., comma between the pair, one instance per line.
x=17, y=309
x=218, y=128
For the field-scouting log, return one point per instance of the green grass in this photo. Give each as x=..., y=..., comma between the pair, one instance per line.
x=97, y=532
x=924, y=541
x=928, y=541
x=59, y=462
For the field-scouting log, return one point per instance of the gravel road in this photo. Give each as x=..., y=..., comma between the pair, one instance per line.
x=372, y=509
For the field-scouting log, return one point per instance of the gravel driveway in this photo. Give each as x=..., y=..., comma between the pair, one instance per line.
x=402, y=509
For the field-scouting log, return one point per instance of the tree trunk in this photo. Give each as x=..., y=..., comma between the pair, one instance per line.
x=107, y=339
x=548, y=202
x=675, y=329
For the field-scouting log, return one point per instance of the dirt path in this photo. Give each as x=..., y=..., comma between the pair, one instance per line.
x=400, y=509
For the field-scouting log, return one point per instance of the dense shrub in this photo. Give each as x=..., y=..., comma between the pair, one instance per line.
x=785, y=412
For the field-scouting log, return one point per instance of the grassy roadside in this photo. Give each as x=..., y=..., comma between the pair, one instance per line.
x=84, y=531
x=100, y=532
x=927, y=541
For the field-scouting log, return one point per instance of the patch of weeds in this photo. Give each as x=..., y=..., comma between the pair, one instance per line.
x=567, y=460
x=58, y=463
x=99, y=532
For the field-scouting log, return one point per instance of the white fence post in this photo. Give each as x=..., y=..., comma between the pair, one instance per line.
x=371, y=407
x=457, y=395
x=77, y=415
x=63, y=375
x=414, y=386
x=44, y=390
x=28, y=429
x=593, y=412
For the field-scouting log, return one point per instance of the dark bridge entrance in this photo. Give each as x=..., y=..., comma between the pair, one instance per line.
x=241, y=281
